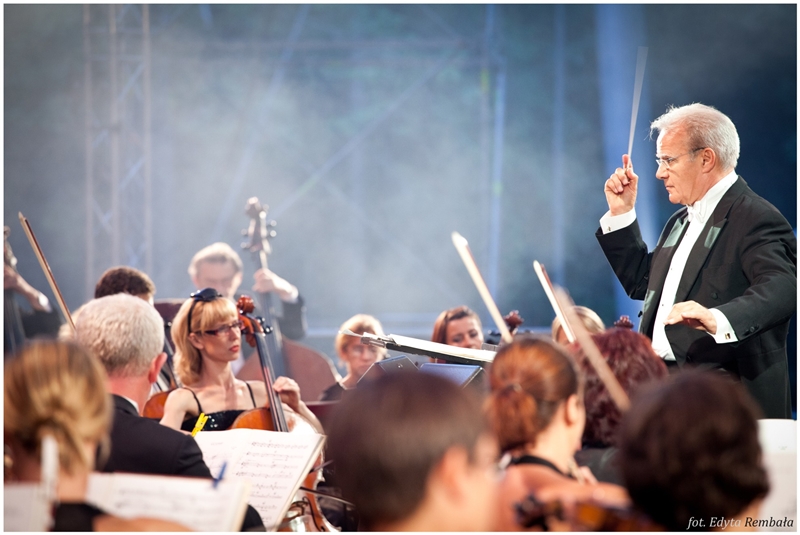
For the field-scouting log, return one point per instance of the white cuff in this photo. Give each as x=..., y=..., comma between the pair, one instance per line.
x=612, y=223
x=725, y=333
x=44, y=302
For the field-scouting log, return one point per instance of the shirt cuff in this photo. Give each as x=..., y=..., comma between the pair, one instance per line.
x=612, y=223
x=725, y=333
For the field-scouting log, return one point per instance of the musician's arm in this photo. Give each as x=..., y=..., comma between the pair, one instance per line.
x=175, y=408
x=14, y=281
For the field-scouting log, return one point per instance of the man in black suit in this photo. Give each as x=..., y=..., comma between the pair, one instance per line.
x=720, y=287
x=127, y=335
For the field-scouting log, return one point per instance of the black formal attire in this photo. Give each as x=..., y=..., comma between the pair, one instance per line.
x=217, y=421
x=292, y=322
x=140, y=445
x=332, y=393
x=75, y=516
x=744, y=263
x=143, y=446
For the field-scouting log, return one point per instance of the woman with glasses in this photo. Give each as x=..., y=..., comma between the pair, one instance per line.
x=356, y=356
x=207, y=333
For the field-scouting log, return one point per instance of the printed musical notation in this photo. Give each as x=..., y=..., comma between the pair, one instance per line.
x=274, y=463
x=193, y=502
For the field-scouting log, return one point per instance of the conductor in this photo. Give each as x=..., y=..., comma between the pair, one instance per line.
x=720, y=287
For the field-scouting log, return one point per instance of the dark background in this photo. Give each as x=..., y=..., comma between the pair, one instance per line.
x=378, y=135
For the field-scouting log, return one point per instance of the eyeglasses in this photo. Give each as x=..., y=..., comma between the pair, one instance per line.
x=205, y=295
x=360, y=349
x=666, y=161
x=225, y=329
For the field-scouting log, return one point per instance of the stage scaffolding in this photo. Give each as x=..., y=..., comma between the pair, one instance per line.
x=117, y=63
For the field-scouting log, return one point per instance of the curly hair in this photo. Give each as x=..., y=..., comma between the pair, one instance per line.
x=124, y=279
x=689, y=448
x=631, y=358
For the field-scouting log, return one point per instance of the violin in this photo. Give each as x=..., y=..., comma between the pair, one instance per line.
x=305, y=513
x=580, y=516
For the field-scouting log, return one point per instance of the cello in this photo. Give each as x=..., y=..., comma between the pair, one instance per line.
x=312, y=370
x=305, y=513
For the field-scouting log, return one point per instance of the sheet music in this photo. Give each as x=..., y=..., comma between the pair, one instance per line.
x=274, y=463
x=192, y=502
x=25, y=507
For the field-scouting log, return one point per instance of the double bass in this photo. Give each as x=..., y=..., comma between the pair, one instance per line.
x=305, y=513
x=312, y=370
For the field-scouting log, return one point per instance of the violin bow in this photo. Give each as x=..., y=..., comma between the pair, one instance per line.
x=592, y=352
x=548, y=290
x=462, y=246
x=26, y=226
x=564, y=309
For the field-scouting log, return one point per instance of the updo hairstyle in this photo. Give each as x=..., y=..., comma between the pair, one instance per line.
x=529, y=379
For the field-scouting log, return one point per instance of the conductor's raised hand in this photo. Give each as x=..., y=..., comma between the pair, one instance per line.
x=621, y=188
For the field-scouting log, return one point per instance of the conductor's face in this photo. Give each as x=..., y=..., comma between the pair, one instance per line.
x=679, y=167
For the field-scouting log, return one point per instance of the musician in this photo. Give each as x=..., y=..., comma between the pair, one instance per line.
x=127, y=336
x=537, y=412
x=588, y=317
x=460, y=327
x=631, y=359
x=203, y=357
x=218, y=266
x=124, y=279
x=690, y=451
x=20, y=324
x=412, y=453
x=720, y=287
x=57, y=389
x=356, y=356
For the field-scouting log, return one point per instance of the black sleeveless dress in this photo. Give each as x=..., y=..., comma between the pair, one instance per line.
x=75, y=517
x=532, y=459
x=217, y=421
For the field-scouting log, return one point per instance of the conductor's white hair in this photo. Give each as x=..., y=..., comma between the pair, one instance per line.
x=124, y=332
x=705, y=126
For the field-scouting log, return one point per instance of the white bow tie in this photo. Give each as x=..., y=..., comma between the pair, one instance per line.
x=692, y=213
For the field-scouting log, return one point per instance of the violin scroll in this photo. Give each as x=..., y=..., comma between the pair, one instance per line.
x=251, y=324
x=513, y=321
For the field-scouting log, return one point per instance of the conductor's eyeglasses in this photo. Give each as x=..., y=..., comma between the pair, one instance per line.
x=205, y=295
x=666, y=161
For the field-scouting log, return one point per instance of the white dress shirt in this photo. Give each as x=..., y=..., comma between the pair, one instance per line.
x=698, y=215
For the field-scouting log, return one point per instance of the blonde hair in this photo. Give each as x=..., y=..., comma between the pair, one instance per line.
x=359, y=324
x=588, y=317
x=219, y=253
x=57, y=388
x=205, y=315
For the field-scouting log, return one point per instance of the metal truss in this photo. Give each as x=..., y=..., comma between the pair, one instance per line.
x=116, y=40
